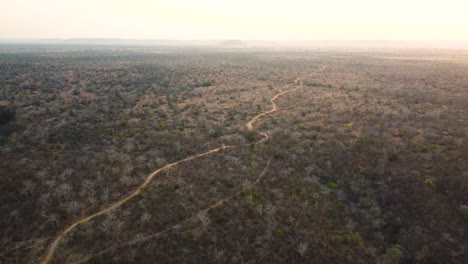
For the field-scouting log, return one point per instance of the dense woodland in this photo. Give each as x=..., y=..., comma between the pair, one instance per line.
x=367, y=161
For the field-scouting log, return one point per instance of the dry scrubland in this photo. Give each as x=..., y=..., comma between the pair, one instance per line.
x=366, y=161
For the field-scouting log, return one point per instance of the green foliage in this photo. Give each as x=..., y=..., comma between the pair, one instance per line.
x=313, y=135
x=254, y=147
x=375, y=211
x=366, y=202
x=115, y=186
x=463, y=210
x=293, y=192
x=422, y=254
x=235, y=260
x=354, y=240
x=348, y=126
x=357, y=240
x=392, y=255
x=279, y=233
x=339, y=205
x=332, y=185
x=162, y=125
x=207, y=83
x=216, y=133
x=250, y=135
x=398, y=221
x=254, y=195
x=226, y=182
x=429, y=183
x=315, y=127
x=251, y=261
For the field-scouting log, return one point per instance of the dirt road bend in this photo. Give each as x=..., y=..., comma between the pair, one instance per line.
x=53, y=247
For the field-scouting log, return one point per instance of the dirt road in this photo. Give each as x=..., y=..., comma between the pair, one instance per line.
x=53, y=247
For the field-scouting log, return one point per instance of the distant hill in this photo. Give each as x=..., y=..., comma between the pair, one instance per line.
x=233, y=43
x=236, y=43
x=137, y=42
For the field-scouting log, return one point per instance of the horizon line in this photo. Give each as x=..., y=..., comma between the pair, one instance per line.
x=245, y=39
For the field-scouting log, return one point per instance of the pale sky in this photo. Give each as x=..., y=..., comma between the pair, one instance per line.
x=236, y=19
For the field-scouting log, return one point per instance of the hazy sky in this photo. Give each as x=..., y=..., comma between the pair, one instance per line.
x=235, y=19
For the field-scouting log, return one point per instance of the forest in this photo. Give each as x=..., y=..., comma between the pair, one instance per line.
x=188, y=155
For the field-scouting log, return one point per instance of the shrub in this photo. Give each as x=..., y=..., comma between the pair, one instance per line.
x=463, y=210
x=429, y=183
x=392, y=255
x=375, y=211
x=250, y=135
x=6, y=115
x=216, y=133
x=207, y=83
x=332, y=185
x=235, y=260
x=366, y=202
x=348, y=126
x=251, y=261
x=254, y=195
x=398, y=221
x=279, y=233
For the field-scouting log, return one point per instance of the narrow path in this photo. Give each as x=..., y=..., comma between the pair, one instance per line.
x=274, y=108
x=53, y=247
x=119, y=203
x=219, y=203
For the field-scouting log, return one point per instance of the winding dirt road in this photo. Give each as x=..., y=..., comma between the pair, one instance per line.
x=119, y=203
x=219, y=203
x=53, y=247
x=273, y=109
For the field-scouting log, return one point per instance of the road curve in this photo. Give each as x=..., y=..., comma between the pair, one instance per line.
x=53, y=247
x=160, y=233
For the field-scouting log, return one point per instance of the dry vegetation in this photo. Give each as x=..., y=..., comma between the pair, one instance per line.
x=366, y=161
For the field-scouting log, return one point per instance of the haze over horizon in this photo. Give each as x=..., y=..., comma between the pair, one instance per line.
x=260, y=20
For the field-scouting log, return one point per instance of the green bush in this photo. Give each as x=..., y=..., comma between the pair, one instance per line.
x=429, y=183
x=348, y=126
x=207, y=83
x=366, y=202
x=250, y=135
x=279, y=233
x=375, y=211
x=332, y=185
x=392, y=255
x=463, y=210
x=254, y=195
